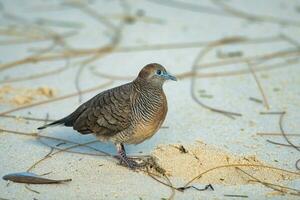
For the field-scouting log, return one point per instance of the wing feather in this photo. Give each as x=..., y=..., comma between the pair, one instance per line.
x=107, y=113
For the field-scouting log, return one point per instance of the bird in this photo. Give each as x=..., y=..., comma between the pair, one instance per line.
x=126, y=114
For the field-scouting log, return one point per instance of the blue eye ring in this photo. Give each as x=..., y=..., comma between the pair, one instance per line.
x=158, y=72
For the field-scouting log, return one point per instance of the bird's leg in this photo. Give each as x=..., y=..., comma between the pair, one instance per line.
x=123, y=158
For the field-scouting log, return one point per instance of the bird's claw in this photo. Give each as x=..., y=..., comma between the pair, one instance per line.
x=125, y=161
x=130, y=163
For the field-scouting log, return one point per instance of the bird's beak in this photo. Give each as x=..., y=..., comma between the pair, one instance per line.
x=168, y=76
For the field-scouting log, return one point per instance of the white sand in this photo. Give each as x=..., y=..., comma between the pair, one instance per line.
x=187, y=121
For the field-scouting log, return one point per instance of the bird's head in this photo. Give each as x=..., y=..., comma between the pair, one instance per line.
x=155, y=73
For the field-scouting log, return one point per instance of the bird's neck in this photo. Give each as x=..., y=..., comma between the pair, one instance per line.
x=147, y=86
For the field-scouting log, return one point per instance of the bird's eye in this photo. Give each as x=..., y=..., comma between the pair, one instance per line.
x=158, y=72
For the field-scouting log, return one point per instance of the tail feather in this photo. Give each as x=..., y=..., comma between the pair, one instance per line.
x=69, y=120
x=58, y=122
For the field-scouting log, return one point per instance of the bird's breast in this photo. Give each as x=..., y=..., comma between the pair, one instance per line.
x=150, y=114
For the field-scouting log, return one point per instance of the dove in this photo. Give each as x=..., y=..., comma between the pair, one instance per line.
x=127, y=114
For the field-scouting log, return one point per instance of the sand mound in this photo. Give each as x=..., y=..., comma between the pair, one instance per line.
x=189, y=161
x=23, y=96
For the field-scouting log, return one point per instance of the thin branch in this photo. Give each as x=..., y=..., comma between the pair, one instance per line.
x=31, y=190
x=26, y=118
x=255, y=100
x=236, y=195
x=166, y=184
x=272, y=113
x=75, y=53
x=278, y=134
x=43, y=158
x=259, y=86
x=284, y=134
x=37, y=135
x=190, y=7
x=236, y=72
x=92, y=13
x=271, y=185
x=252, y=17
x=227, y=11
x=114, y=41
x=281, y=144
x=282, y=54
x=194, y=68
x=54, y=56
x=290, y=40
x=238, y=165
x=36, y=76
x=57, y=98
